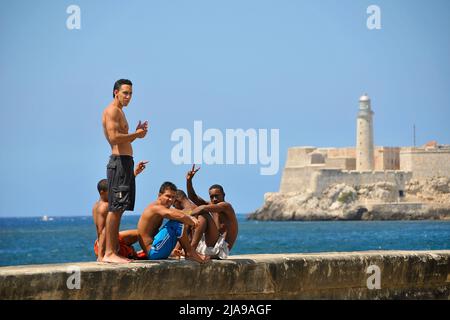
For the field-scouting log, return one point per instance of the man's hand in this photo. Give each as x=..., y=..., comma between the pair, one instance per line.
x=141, y=133
x=197, y=210
x=143, y=125
x=194, y=222
x=142, y=129
x=191, y=173
x=140, y=167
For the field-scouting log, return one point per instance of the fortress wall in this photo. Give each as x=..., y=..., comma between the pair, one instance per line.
x=299, y=175
x=348, y=152
x=341, y=163
x=343, y=275
x=317, y=179
x=327, y=177
x=298, y=156
x=406, y=163
x=296, y=179
x=425, y=163
x=387, y=158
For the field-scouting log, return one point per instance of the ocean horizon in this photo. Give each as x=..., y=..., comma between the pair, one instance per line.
x=61, y=239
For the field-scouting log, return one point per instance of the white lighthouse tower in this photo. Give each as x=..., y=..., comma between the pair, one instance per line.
x=364, y=136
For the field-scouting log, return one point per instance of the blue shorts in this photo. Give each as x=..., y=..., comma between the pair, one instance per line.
x=166, y=240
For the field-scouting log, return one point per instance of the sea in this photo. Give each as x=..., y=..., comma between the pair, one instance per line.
x=35, y=240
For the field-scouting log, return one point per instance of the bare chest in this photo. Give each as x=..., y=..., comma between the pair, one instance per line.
x=123, y=123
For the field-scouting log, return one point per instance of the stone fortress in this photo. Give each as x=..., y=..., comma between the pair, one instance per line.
x=362, y=182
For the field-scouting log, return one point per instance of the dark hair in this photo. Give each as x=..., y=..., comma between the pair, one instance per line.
x=102, y=185
x=217, y=186
x=119, y=83
x=167, y=185
x=181, y=194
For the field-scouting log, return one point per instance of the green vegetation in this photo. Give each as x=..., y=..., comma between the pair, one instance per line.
x=345, y=197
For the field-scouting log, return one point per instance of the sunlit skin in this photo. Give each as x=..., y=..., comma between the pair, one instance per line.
x=152, y=218
x=100, y=213
x=115, y=125
x=217, y=205
x=208, y=226
x=115, y=128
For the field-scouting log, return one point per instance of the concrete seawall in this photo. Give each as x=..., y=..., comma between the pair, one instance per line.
x=344, y=275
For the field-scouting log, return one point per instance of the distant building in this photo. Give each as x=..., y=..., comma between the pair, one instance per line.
x=313, y=169
x=364, y=136
x=427, y=161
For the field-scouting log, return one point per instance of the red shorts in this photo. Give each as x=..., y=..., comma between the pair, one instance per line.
x=125, y=250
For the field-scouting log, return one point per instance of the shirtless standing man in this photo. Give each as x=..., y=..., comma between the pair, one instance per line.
x=159, y=243
x=121, y=183
x=228, y=227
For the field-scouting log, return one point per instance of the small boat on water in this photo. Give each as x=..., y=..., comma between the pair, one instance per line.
x=46, y=218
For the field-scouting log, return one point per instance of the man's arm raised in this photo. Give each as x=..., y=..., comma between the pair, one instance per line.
x=112, y=120
x=175, y=214
x=220, y=207
x=190, y=188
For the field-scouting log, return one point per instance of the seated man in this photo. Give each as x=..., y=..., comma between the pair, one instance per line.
x=158, y=243
x=100, y=212
x=208, y=228
x=223, y=215
x=126, y=240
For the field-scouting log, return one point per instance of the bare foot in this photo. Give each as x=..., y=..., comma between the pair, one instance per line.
x=99, y=259
x=114, y=258
x=176, y=254
x=204, y=257
x=197, y=257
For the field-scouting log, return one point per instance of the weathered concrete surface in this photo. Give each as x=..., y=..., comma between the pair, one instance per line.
x=403, y=275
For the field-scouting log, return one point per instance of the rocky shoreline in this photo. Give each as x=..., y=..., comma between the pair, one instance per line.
x=424, y=199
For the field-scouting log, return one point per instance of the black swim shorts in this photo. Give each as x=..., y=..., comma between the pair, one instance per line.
x=121, y=183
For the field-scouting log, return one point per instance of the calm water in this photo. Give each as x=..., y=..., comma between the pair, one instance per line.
x=70, y=239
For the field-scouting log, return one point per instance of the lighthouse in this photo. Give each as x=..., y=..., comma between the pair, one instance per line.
x=364, y=136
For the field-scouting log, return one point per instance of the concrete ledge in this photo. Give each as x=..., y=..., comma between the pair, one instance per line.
x=344, y=275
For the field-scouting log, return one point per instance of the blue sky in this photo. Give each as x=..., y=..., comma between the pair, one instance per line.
x=297, y=66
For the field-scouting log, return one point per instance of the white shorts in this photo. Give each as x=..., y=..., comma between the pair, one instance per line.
x=220, y=249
